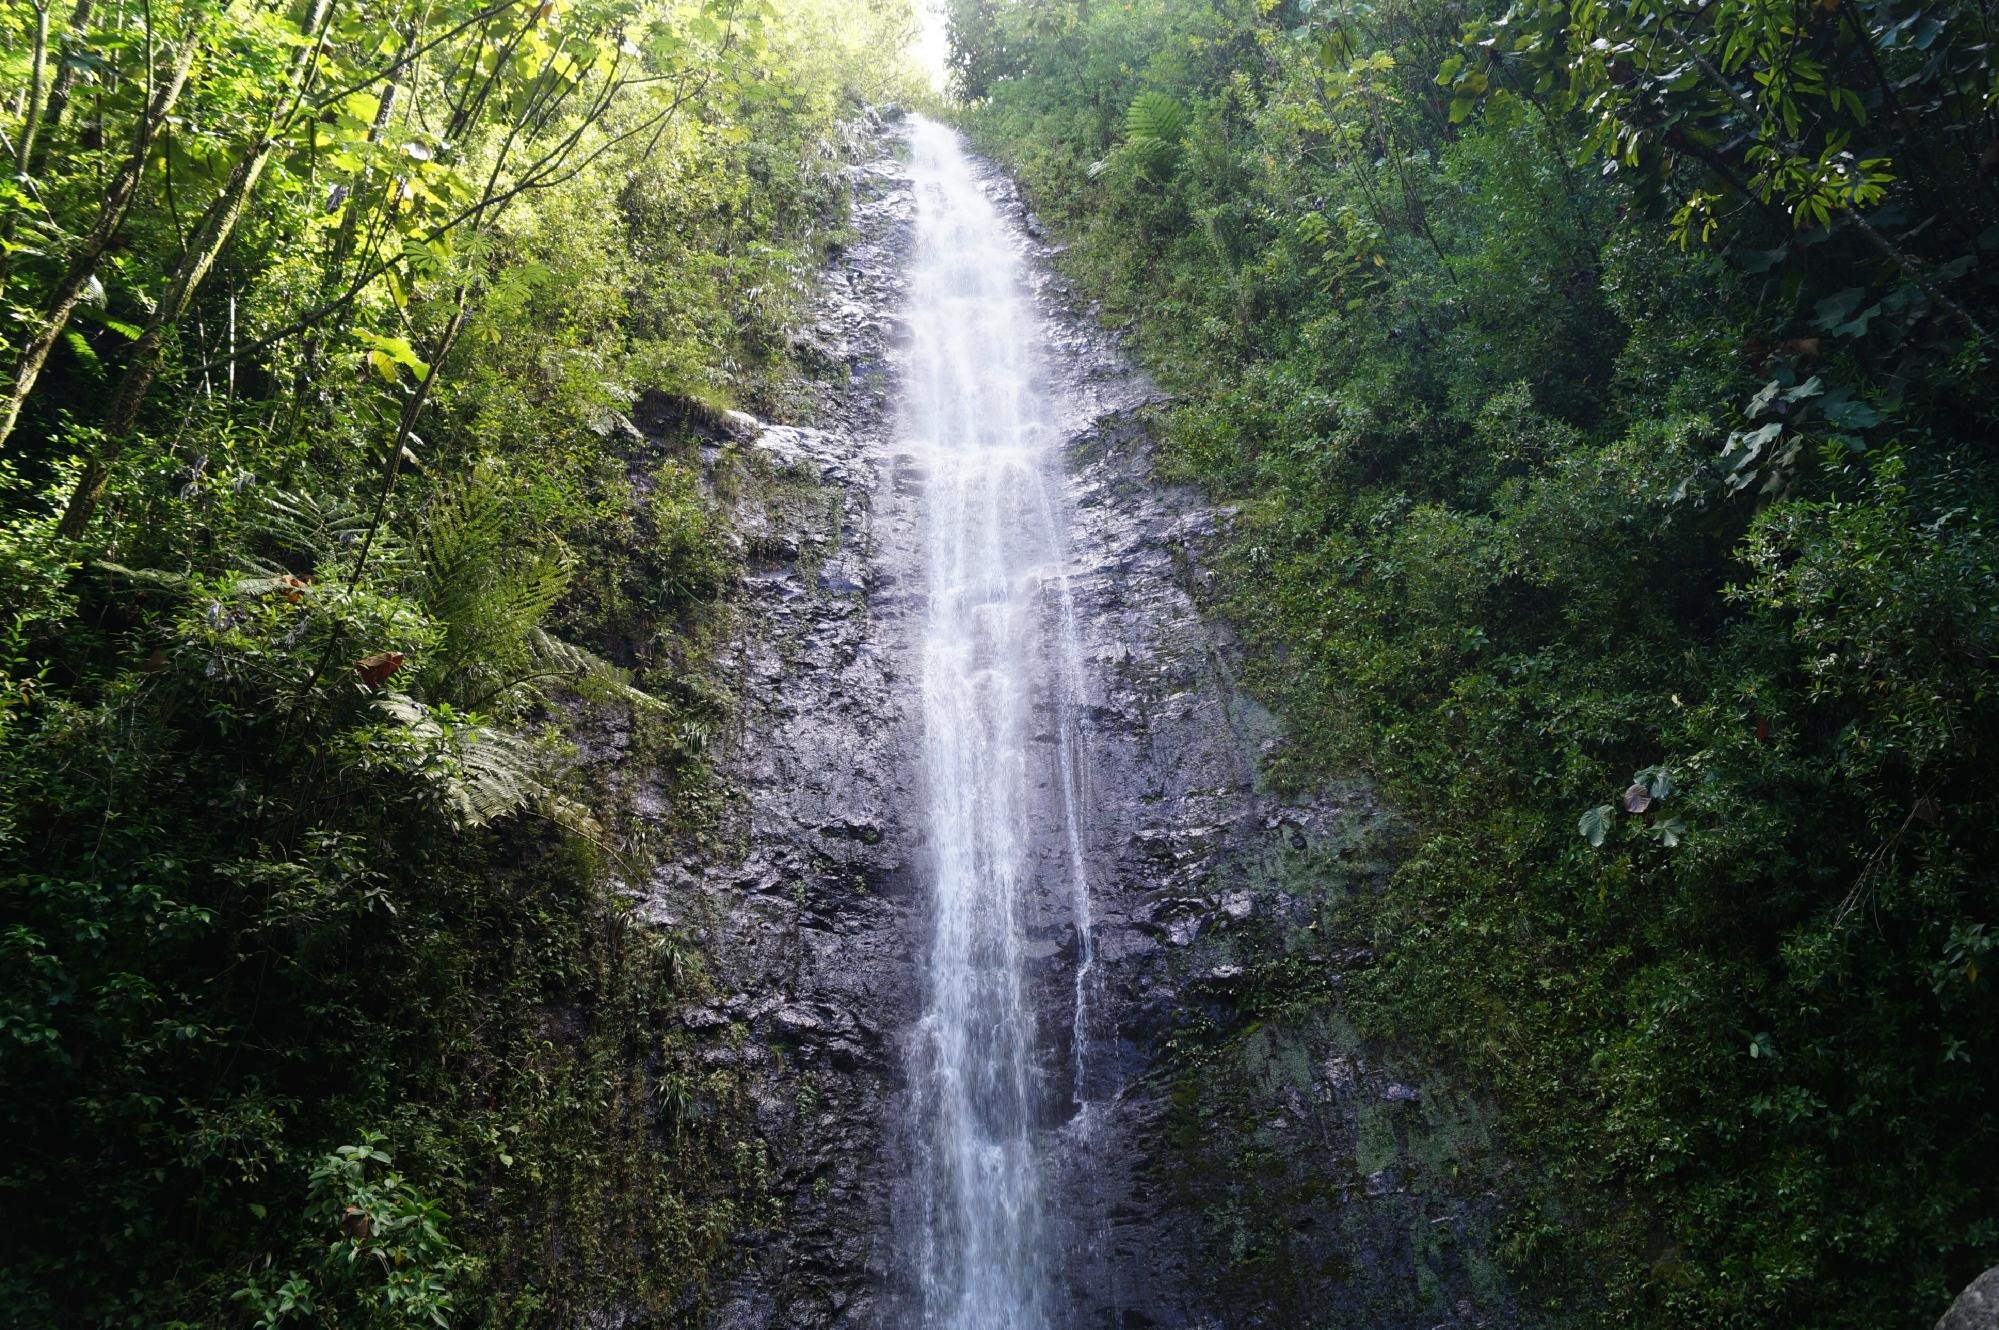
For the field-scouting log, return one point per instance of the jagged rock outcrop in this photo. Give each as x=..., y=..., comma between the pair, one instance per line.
x=1977, y=1308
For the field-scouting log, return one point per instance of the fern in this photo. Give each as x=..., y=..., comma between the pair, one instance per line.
x=490, y=593
x=496, y=774
x=486, y=591
x=592, y=674
x=1155, y=126
x=1155, y=115
x=315, y=531
x=486, y=772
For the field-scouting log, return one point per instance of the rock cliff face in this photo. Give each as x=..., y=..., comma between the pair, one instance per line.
x=1238, y=1160
x=805, y=902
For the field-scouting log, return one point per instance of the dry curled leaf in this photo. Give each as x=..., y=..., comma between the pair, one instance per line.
x=376, y=669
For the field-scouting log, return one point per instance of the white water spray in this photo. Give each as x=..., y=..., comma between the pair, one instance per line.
x=976, y=409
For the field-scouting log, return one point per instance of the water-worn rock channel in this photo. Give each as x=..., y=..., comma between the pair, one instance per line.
x=996, y=831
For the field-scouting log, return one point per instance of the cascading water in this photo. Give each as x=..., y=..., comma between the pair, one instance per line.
x=977, y=412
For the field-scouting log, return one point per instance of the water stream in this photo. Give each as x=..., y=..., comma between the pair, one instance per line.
x=999, y=665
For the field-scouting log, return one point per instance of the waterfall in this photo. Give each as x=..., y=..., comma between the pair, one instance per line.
x=998, y=649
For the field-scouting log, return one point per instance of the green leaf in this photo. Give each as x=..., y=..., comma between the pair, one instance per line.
x=1833, y=310
x=1763, y=260
x=1841, y=409
x=1657, y=781
x=1157, y=117
x=81, y=348
x=1765, y=398
x=1596, y=823
x=386, y=353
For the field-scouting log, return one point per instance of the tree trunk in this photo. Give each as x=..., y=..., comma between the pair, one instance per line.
x=38, y=70
x=70, y=288
x=204, y=247
x=197, y=260
x=65, y=82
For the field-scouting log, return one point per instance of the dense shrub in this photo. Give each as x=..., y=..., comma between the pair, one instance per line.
x=1608, y=446
x=323, y=546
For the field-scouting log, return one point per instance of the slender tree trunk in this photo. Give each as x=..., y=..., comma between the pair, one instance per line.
x=211, y=236
x=60, y=89
x=38, y=71
x=405, y=426
x=75, y=281
x=37, y=129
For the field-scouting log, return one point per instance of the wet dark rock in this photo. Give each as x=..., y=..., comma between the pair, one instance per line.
x=801, y=903
x=1383, y=1182
x=703, y=1018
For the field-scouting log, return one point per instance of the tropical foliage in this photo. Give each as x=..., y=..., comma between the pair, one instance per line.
x=1604, y=392
x=323, y=542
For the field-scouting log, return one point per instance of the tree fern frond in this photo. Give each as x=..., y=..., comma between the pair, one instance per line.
x=487, y=773
x=1154, y=126
x=406, y=711
x=553, y=655
x=315, y=530
x=1156, y=116
x=154, y=579
x=485, y=589
x=572, y=816
x=496, y=774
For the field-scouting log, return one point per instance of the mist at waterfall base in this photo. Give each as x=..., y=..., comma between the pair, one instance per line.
x=998, y=662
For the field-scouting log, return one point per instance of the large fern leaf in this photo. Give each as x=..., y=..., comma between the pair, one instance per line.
x=301, y=531
x=1156, y=116
x=486, y=772
x=486, y=588
x=1155, y=127
x=551, y=656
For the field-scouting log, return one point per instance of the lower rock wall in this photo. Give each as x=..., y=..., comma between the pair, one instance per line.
x=803, y=897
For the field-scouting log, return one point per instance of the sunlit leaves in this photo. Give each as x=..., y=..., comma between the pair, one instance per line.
x=387, y=355
x=1754, y=98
